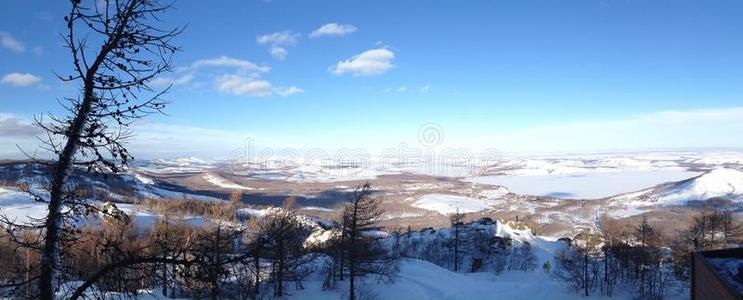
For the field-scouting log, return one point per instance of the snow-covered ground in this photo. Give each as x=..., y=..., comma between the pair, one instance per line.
x=420, y=279
x=594, y=185
x=19, y=207
x=722, y=182
x=449, y=204
x=568, y=176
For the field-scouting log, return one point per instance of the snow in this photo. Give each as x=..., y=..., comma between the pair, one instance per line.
x=18, y=206
x=317, y=208
x=224, y=183
x=717, y=158
x=584, y=185
x=254, y=212
x=449, y=204
x=178, y=165
x=494, y=193
x=145, y=218
x=164, y=193
x=627, y=212
x=143, y=179
x=419, y=279
x=721, y=182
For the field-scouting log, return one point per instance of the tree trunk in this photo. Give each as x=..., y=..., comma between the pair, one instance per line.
x=351, y=280
x=257, y=265
x=585, y=273
x=165, y=278
x=352, y=254
x=54, y=222
x=456, y=247
x=606, y=271
x=280, y=269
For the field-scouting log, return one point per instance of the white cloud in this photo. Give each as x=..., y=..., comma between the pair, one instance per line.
x=226, y=61
x=333, y=29
x=425, y=89
x=292, y=90
x=166, y=81
x=15, y=126
x=244, y=86
x=279, y=53
x=240, y=85
x=399, y=89
x=368, y=63
x=285, y=38
x=278, y=42
x=20, y=79
x=8, y=42
x=238, y=77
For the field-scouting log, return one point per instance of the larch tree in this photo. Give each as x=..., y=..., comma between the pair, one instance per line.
x=456, y=222
x=117, y=49
x=363, y=254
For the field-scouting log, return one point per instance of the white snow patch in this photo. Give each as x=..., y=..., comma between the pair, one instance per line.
x=19, y=207
x=449, y=204
x=494, y=193
x=317, y=208
x=224, y=183
x=143, y=179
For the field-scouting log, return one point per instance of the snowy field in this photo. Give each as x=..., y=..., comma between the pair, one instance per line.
x=19, y=207
x=449, y=204
x=585, y=185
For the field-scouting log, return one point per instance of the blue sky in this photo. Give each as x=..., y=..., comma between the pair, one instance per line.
x=520, y=76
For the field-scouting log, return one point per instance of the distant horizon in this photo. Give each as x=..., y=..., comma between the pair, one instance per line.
x=520, y=77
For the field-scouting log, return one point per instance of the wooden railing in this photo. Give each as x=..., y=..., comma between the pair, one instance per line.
x=706, y=281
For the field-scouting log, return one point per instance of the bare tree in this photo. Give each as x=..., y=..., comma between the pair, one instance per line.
x=283, y=236
x=363, y=254
x=456, y=222
x=578, y=264
x=650, y=278
x=116, y=50
x=709, y=231
x=256, y=243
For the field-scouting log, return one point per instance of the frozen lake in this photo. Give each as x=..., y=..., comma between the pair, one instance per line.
x=585, y=185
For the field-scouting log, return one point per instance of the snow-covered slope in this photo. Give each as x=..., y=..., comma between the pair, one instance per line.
x=721, y=182
x=419, y=279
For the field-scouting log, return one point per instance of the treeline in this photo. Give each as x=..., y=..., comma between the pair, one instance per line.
x=637, y=260
x=217, y=256
x=226, y=252
x=465, y=247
